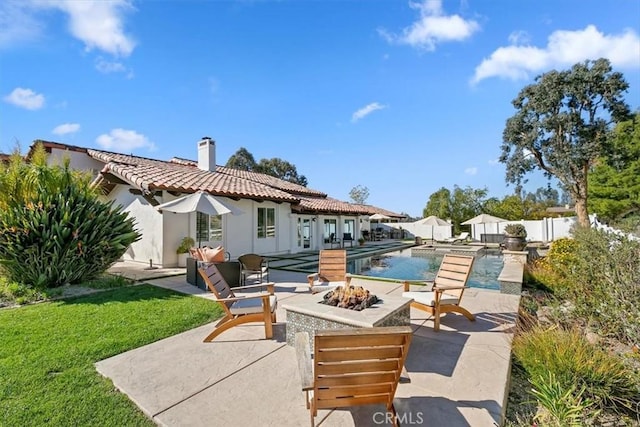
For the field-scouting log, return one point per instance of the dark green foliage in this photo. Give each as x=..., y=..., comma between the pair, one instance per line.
x=614, y=184
x=282, y=169
x=62, y=238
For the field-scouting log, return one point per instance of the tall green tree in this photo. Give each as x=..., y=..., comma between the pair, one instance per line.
x=439, y=204
x=457, y=205
x=614, y=183
x=359, y=194
x=561, y=126
x=244, y=160
x=281, y=169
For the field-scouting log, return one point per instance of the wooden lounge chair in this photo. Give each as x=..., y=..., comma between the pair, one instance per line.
x=243, y=308
x=251, y=264
x=448, y=287
x=332, y=269
x=352, y=367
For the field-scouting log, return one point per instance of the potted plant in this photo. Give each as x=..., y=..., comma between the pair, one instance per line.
x=361, y=241
x=515, y=237
x=185, y=244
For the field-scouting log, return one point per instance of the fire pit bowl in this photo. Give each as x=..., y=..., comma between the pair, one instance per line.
x=350, y=297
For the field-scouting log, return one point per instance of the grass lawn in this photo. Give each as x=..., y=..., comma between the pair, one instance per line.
x=48, y=351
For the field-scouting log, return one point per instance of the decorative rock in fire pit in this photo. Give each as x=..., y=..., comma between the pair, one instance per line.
x=352, y=297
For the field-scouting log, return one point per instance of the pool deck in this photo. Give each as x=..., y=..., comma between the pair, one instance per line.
x=458, y=376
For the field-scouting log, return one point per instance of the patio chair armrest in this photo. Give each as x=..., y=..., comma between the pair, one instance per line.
x=264, y=296
x=312, y=277
x=407, y=284
x=303, y=354
x=442, y=288
x=270, y=287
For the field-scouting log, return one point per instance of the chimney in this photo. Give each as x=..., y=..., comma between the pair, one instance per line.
x=207, y=154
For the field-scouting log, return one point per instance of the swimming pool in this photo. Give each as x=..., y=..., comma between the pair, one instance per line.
x=402, y=265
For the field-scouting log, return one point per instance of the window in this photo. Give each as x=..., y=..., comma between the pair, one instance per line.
x=266, y=223
x=330, y=226
x=350, y=226
x=209, y=227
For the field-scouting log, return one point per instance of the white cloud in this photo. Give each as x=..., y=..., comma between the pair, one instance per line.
x=432, y=27
x=25, y=98
x=366, y=110
x=471, y=171
x=66, y=128
x=17, y=23
x=124, y=140
x=493, y=162
x=564, y=48
x=107, y=67
x=519, y=37
x=99, y=24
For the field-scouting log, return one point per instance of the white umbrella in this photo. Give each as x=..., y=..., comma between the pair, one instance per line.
x=379, y=216
x=199, y=202
x=483, y=219
x=432, y=221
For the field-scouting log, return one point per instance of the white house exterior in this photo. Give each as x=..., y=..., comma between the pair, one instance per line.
x=293, y=218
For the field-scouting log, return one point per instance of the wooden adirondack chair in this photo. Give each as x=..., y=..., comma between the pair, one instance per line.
x=239, y=309
x=352, y=367
x=448, y=287
x=332, y=269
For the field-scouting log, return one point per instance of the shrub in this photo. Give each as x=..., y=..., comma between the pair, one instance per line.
x=560, y=406
x=185, y=244
x=577, y=366
x=515, y=230
x=53, y=228
x=62, y=238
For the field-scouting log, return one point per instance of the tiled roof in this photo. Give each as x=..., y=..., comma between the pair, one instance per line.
x=376, y=210
x=152, y=175
x=183, y=175
x=265, y=179
x=328, y=205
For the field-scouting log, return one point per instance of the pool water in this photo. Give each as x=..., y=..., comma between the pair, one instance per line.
x=402, y=265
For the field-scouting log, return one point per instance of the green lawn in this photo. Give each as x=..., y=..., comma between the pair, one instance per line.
x=48, y=351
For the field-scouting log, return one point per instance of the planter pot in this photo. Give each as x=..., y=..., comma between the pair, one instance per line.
x=512, y=243
x=182, y=260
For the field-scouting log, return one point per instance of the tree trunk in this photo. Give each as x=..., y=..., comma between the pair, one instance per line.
x=582, y=213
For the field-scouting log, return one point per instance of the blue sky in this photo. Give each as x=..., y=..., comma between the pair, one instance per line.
x=401, y=97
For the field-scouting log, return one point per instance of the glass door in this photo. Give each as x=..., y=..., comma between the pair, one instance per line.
x=306, y=233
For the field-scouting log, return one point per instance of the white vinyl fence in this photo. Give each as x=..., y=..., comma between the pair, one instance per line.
x=544, y=230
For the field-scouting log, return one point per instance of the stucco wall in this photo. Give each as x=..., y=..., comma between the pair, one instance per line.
x=79, y=161
x=149, y=222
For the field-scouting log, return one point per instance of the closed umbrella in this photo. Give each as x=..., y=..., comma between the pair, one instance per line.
x=199, y=202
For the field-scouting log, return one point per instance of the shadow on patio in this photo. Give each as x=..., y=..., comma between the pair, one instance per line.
x=458, y=376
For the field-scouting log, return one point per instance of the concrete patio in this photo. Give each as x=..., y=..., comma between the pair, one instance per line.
x=458, y=376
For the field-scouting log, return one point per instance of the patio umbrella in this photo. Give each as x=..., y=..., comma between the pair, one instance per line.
x=483, y=219
x=199, y=202
x=432, y=221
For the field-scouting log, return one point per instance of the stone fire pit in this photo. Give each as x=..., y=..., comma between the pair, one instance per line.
x=309, y=313
x=350, y=297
